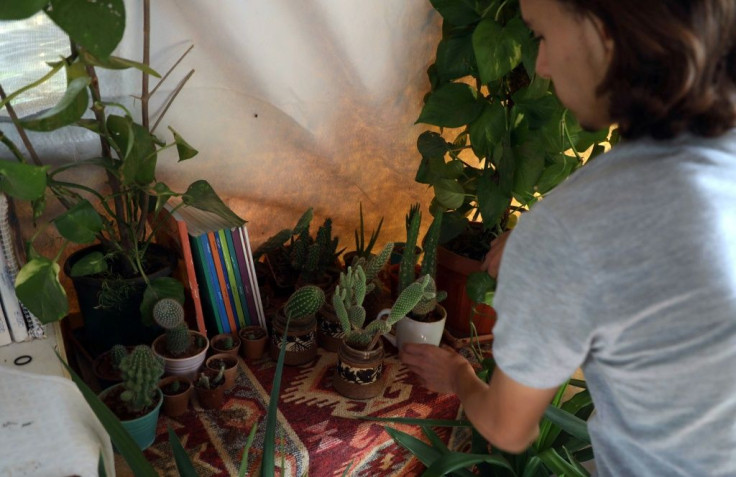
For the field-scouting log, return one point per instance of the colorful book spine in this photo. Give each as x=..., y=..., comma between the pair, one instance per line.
x=254, y=292
x=236, y=278
x=240, y=251
x=227, y=295
x=213, y=287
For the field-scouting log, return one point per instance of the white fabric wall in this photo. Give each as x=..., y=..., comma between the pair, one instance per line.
x=298, y=103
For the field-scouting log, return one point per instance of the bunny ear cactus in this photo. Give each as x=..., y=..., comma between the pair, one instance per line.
x=427, y=305
x=141, y=370
x=305, y=301
x=348, y=299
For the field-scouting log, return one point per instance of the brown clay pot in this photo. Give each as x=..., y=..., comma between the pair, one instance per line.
x=301, y=339
x=359, y=373
x=217, y=344
x=210, y=398
x=231, y=367
x=250, y=348
x=175, y=403
x=329, y=329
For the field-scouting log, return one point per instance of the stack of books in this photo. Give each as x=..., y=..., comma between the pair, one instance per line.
x=216, y=267
x=17, y=324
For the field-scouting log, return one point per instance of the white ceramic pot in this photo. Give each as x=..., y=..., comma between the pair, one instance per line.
x=185, y=366
x=409, y=330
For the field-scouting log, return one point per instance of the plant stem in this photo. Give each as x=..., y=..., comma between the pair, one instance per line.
x=21, y=131
x=146, y=61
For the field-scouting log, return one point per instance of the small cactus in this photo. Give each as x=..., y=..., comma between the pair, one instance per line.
x=227, y=343
x=427, y=305
x=117, y=353
x=168, y=313
x=141, y=370
x=178, y=340
x=305, y=301
x=205, y=382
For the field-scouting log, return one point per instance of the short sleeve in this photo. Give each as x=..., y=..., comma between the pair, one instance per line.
x=542, y=334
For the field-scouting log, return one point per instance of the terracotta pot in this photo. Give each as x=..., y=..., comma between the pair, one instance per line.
x=176, y=403
x=250, y=348
x=104, y=370
x=452, y=274
x=231, y=367
x=210, y=398
x=329, y=329
x=359, y=373
x=217, y=344
x=186, y=365
x=301, y=339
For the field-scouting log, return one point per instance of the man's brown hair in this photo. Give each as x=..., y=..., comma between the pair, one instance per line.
x=674, y=64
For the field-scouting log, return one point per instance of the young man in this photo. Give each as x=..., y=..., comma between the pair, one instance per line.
x=628, y=269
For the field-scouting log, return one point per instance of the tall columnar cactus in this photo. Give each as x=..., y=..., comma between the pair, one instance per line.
x=305, y=301
x=117, y=353
x=409, y=259
x=430, y=244
x=169, y=315
x=141, y=370
x=366, y=338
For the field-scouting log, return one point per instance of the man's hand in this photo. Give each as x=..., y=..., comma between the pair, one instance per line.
x=439, y=369
x=492, y=261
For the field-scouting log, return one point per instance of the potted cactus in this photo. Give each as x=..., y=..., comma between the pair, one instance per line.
x=228, y=363
x=210, y=386
x=298, y=321
x=177, y=391
x=106, y=366
x=182, y=350
x=225, y=343
x=137, y=400
x=360, y=356
x=254, y=339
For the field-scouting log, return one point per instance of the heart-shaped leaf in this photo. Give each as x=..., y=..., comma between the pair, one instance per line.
x=80, y=224
x=97, y=26
x=38, y=288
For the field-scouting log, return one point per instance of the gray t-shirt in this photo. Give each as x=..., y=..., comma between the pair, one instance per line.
x=628, y=270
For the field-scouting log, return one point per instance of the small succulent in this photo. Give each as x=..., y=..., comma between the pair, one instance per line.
x=141, y=371
x=205, y=382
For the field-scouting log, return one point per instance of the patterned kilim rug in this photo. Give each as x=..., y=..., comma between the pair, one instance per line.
x=320, y=433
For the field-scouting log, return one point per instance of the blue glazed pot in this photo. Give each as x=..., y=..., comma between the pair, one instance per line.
x=142, y=429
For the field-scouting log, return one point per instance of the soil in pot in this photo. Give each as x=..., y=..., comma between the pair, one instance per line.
x=218, y=344
x=254, y=340
x=177, y=391
x=215, y=362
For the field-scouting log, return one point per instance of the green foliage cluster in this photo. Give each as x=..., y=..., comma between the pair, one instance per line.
x=115, y=216
x=141, y=370
x=504, y=139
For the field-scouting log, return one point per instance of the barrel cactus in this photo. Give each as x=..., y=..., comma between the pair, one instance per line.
x=141, y=370
x=168, y=313
x=117, y=353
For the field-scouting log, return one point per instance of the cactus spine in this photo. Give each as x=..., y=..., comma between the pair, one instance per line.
x=141, y=370
x=304, y=302
x=409, y=258
x=169, y=314
x=117, y=353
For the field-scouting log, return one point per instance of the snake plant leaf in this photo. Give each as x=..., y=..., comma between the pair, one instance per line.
x=183, y=148
x=96, y=26
x=457, y=12
x=183, y=462
x=451, y=105
x=90, y=264
x=24, y=181
x=121, y=439
x=116, y=63
x=269, y=439
x=449, y=193
x=69, y=109
x=243, y=469
x=453, y=461
x=498, y=48
x=201, y=195
x=139, y=162
x=37, y=287
x=570, y=423
x=80, y=224
x=20, y=9
x=492, y=201
x=158, y=288
x=420, y=449
x=559, y=466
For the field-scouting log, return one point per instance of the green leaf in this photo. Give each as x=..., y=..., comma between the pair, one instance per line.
x=455, y=58
x=158, y=288
x=432, y=145
x=558, y=465
x=20, y=9
x=201, y=195
x=80, y=224
x=451, y=105
x=90, y=264
x=246, y=450
x=492, y=201
x=555, y=173
x=457, y=12
x=421, y=450
x=163, y=194
x=498, y=48
x=97, y=26
x=570, y=423
x=116, y=63
x=449, y=193
x=121, y=439
x=488, y=129
x=529, y=166
x=420, y=421
x=480, y=287
x=38, y=288
x=139, y=162
x=69, y=109
x=269, y=444
x=183, y=462
x=23, y=181
x=183, y=148
x=454, y=461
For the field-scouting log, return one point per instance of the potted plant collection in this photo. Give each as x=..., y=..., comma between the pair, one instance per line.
x=299, y=323
x=359, y=372
x=116, y=219
x=137, y=400
x=177, y=391
x=254, y=339
x=504, y=139
x=182, y=350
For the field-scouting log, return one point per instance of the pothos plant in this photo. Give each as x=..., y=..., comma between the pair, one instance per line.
x=503, y=139
x=122, y=216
